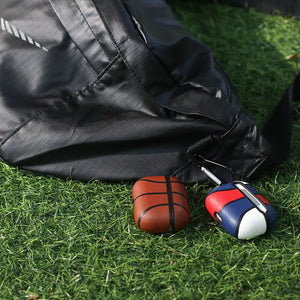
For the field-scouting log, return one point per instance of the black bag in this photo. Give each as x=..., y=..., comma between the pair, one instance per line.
x=118, y=90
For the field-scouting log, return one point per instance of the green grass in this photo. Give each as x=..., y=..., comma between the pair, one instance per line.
x=71, y=240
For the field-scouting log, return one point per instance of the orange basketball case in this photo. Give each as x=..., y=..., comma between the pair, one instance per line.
x=160, y=204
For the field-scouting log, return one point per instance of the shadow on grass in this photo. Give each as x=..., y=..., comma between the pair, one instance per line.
x=253, y=49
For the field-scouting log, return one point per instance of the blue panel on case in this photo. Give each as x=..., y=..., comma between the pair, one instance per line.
x=272, y=215
x=232, y=212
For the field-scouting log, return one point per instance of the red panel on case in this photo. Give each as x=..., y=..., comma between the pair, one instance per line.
x=214, y=202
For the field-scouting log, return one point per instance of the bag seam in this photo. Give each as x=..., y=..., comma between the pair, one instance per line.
x=98, y=78
x=90, y=28
x=18, y=128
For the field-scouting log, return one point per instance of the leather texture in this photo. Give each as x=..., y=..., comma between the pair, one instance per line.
x=120, y=91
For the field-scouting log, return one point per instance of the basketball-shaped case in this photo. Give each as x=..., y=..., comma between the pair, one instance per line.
x=160, y=204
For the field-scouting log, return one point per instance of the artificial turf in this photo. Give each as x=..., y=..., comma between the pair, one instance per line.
x=66, y=239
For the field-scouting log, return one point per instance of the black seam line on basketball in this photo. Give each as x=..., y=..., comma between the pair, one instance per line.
x=146, y=194
x=180, y=205
x=157, y=205
x=156, y=181
x=144, y=212
x=171, y=206
x=159, y=193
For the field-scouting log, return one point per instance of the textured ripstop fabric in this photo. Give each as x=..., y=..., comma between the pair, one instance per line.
x=117, y=90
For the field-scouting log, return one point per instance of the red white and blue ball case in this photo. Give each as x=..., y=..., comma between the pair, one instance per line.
x=240, y=210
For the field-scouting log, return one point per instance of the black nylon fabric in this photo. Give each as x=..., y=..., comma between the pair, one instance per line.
x=117, y=90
